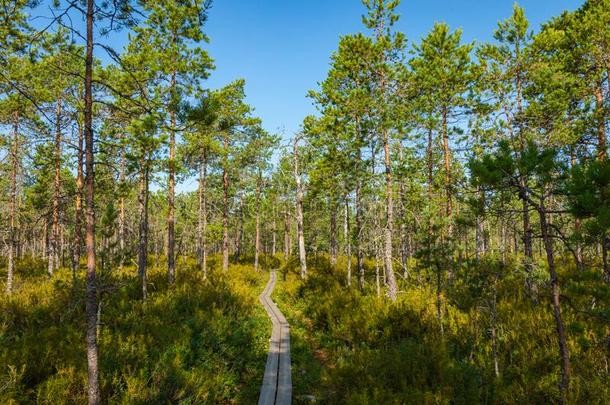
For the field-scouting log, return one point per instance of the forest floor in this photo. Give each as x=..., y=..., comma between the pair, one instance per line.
x=197, y=342
x=354, y=348
x=207, y=341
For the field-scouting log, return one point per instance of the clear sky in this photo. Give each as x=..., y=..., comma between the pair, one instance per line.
x=282, y=47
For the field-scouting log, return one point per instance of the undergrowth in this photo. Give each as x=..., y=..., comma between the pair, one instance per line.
x=196, y=342
x=352, y=347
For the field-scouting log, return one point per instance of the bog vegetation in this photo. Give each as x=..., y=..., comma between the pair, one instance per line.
x=441, y=225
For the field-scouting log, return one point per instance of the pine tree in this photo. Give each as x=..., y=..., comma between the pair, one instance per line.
x=506, y=71
x=443, y=66
x=175, y=31
x=390, y=47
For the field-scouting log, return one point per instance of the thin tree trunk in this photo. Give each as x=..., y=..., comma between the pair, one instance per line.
x=602, y=155
x=527, y=243
x=78, y=206
x=171, y=220
x=577, y=225
x=358, y=206
x=503, y=239
x=91, y=291
x=286, y=235
x=203, y=216
x=45, y=238
x=257, y=236
x=527, y=229
x=225, y=211
x=348, y=242
x=606, y=268
x=561, y=334
x=388, y=231
x=333, y=231
x=494, y=322
x=602, y=148
x=62, y=232
x=53, y=263
x=274, y=233
x=122, y=211
x=299, y=211
x=240, y=230
x=404, y=248
x=143, y=235
x=377, y=280
x=480, y=230
x=200, y=218
x=430, y=195
x=13, y=205
x=439, y=295
x=447, y=161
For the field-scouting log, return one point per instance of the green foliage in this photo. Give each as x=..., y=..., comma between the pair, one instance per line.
x=358, y=349
x=200, y=342
x=589, y=191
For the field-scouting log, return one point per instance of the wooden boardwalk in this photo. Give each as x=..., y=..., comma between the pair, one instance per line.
x=277, y=383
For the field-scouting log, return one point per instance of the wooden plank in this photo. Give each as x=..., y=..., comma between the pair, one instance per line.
x=269, y=386
x=277, y=381
x=284, y=385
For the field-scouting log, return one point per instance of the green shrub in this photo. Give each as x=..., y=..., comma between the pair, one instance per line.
x=353, y=347
x=197, y=342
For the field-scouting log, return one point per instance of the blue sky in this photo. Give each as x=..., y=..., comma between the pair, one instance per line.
x=282, y=47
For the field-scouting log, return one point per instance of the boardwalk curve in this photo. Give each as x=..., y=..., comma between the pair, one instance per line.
x=277, y=382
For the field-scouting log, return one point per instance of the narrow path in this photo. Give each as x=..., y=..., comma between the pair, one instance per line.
x=277, y=383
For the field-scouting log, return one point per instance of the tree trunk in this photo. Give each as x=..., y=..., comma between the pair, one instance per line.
x=257, y=236
x=299, y=211
x=333, y=231
x=439, y=295
x=602, y=155
x=577, y=224
x=527, y=243
x=602, y=148
x=225, y=200
x=240, y=230
x=555, y=291
x=274, y=233
x=447, y=161
x=204, y=245
x=404, y=248
x=122, y=211
x=389, y=203
x=13, y=205
x=527, y=230
x=78, y=206
x=430, y=195
x=348, y=241
x=91, y=291
x=479, y=230
x=53, y=263
x=494, y=327
x=202, y=222
x=605, y=242
x=377, y=280
x=286, y=235
x=143, y=235
x=171, y=220
x=44, y=238
x=358, y=206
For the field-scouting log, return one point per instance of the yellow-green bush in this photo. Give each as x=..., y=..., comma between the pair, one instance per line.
x=197, y=342
x=353, y=347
